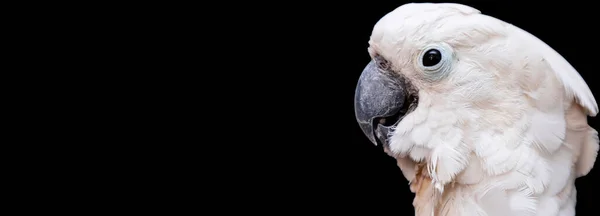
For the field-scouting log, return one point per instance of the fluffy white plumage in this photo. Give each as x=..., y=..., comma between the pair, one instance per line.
x=500, y=128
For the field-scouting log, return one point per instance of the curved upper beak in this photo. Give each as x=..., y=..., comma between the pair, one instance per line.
x=378, y=99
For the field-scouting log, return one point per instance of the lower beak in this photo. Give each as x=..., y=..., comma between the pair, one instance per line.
x=379, y=98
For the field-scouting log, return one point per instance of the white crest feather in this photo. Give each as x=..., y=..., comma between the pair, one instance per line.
x=574, y=84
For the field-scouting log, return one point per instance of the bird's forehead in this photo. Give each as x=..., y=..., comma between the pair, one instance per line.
x=411, y=21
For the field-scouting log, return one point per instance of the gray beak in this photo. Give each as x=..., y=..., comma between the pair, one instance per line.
x=380, y=102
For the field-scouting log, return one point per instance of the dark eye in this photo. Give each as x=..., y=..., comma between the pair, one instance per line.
x=432, y=57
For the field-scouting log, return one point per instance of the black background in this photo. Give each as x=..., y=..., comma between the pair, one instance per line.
x=323, y=160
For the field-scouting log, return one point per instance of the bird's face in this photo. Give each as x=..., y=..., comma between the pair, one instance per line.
x=425, y=59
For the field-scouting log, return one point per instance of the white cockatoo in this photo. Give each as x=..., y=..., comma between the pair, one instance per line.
x=482, y=117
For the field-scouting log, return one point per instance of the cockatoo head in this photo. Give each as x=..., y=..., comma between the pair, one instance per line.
x=442, y=72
